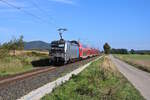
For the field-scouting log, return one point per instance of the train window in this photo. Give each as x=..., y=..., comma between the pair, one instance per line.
x=61, y=45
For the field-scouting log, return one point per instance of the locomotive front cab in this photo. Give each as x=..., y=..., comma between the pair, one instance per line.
x=57, y=51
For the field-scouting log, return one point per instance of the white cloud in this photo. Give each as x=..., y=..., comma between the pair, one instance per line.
x=64, y=1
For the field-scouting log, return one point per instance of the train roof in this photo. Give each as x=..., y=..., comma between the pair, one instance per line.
x=63, y=41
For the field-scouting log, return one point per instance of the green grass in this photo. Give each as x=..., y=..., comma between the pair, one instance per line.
x=95, y=83
x=10, y=65
x=140, y=61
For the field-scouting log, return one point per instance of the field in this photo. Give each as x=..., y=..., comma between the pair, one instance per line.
x=21, y=62
x=100, y=81
x=140, y=61
x=24, y=52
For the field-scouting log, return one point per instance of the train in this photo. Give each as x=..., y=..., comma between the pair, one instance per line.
x=63, y=51
x=69, y=51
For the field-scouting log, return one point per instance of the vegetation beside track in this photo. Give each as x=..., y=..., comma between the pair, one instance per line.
x=140, y=61
x=15, y=64
x=100, y=81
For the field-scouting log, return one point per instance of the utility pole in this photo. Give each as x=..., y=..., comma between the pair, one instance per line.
x=61, y=30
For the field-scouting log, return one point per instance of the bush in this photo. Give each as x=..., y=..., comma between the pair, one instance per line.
x=3, y=53
x=33, y=53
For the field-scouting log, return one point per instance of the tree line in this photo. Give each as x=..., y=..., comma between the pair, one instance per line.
x=14, y=44
x=109, y=50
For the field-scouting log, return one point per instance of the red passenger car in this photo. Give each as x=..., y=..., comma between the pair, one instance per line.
x=86, y=52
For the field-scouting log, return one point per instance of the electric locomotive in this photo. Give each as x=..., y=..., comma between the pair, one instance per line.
x=63, y=51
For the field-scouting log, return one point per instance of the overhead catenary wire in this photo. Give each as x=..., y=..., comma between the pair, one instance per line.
x=26, y=12
x=39, y=8
x=19, y=8
x=35, y=4
x=10, y=4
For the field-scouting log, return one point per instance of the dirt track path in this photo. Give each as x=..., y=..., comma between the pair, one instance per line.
x=140, y=79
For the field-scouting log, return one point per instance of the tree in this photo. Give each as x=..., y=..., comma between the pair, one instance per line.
x=20, y=43
x=14, y=44
x=132, y=51
x=107, y=48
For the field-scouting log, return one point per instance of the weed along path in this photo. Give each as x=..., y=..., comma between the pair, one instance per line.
x=139, y=78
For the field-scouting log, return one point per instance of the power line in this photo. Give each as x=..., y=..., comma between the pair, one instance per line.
x=10, y=4
x=19, y=8
x=26, y=12
x=35, y=4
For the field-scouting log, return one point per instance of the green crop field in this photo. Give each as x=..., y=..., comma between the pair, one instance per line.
x=10, y=65
x=100, y=81
x=140, y=61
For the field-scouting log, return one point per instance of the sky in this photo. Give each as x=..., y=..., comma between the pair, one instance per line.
x=121, y=23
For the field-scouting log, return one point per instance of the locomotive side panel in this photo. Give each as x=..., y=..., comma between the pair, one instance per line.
x=72, y=51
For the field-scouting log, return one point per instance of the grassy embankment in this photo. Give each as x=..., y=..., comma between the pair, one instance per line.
x=140, y=61
x=10, y=65
x=100, y=81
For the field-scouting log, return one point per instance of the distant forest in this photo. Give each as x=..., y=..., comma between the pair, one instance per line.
x=132, y=51
x=107, y=50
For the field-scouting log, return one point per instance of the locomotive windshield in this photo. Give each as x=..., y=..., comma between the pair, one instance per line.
x=57, y=46
x=61, y=45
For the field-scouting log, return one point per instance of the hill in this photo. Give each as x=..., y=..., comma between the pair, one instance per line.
x=38, y=45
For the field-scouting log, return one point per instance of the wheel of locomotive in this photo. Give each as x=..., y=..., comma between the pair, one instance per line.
x=69, y=61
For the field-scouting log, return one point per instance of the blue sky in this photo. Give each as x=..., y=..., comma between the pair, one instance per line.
x=121, y=23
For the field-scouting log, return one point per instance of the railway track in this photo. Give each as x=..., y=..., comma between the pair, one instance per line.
x=12, y=88
x=9, y=79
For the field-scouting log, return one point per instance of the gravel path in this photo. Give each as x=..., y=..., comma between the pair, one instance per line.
x=17, y=89
x=139, y=78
